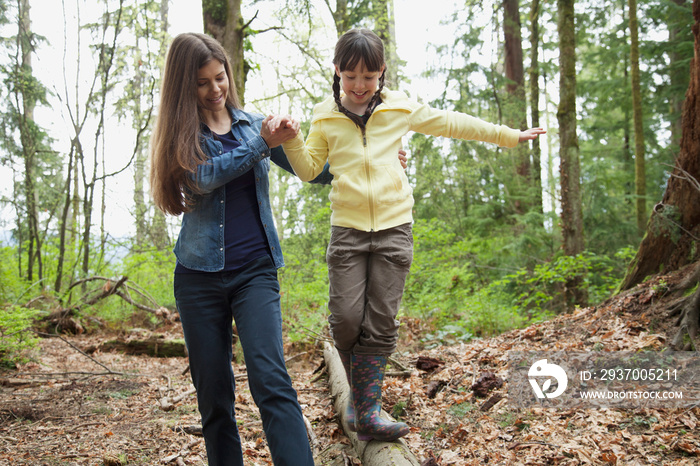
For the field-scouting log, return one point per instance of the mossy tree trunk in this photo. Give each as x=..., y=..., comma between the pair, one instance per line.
x=673, y=231
x=570, y=165
x=640, y=178
x=224, y=22
x=515, y=110
x=534, y=75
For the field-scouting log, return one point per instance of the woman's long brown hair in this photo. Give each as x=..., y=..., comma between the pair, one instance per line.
x=175, y=145
x=354, y=47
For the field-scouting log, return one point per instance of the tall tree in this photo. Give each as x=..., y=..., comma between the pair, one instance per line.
x=570, y=168
x=27, y=142
x=515, y=103
x=385, y=28
x=534, y=78
x=223, y=20
x=677, y=32
x=673, y=232
x=148, y=20
x=159, y=227
x=640, y=178
x=25, y=103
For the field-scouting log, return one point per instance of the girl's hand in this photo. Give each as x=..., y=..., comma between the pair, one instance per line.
x=530, y=134
x=277, y=129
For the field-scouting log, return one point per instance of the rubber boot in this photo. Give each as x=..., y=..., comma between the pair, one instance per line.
x=346, y=359
x=367, y=371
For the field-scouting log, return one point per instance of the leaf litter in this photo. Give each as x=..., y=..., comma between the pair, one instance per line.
x=63, y=408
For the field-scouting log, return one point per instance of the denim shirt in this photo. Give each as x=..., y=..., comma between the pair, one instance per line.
x=200, y=244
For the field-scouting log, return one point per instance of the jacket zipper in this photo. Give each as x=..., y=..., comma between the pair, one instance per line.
x=369, y=181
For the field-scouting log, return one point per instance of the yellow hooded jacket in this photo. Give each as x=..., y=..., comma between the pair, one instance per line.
x=370, y=191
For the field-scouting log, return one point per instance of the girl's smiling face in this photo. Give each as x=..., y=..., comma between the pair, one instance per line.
x=212, y=86
x=359, y=85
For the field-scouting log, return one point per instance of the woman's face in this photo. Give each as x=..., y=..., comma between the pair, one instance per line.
x=212, y=86
x=359, y=84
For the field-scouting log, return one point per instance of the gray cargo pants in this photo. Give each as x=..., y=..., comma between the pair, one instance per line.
x=367, y=272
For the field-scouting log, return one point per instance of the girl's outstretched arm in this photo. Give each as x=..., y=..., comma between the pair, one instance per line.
x=530, y=134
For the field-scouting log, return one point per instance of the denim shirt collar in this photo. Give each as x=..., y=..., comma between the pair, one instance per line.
x=200, y=244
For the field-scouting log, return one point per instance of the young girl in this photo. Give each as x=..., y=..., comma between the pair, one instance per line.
x=356, y=131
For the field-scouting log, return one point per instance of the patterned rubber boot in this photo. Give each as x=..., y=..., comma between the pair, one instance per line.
x=367, y=379
x=346, y=359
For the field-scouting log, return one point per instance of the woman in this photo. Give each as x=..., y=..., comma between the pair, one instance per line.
x=210, y=162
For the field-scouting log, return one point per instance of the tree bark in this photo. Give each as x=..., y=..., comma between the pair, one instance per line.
x=224, y=22
x=515, y=108
x=640, y=178
x=26, y=102
x=385, y=28
x=678, y=75
x=673, y=232
x=534, y=74
x=158, y=228
x=570, y=165
x=372, y=453
x=153, y=346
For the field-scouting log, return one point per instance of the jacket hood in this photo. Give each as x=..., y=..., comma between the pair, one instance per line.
x=394, y=100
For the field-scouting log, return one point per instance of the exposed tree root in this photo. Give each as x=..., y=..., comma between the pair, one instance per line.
x=687, y=310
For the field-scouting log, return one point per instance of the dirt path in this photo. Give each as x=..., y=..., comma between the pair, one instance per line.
x=66, y=409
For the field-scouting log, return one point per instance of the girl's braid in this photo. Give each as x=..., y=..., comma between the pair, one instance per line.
x=357, y=119
x=373, y=101
x=336, y=94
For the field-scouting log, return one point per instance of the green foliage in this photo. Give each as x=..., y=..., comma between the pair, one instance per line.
x=460, y=410
x=450, y=334
x=11, y=285
x=149, y=273
x=16, y=337
x=448, y=284
x=539, y=290
x=150, y=279
x=304, y=289
x=462, y=287
x=152, y=270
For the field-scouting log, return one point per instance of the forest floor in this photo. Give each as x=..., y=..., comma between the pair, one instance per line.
x=73, y=408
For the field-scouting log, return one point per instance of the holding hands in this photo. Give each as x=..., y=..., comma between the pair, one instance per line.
x=277, y=129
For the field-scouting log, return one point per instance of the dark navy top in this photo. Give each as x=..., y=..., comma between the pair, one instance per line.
x=244, y=236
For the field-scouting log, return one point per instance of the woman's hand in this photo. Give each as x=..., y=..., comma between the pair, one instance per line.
x=530, y=134
x=403, y=159
x=277, y=129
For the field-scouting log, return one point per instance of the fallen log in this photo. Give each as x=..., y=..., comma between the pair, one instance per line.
x=373, y=453
x=156, y=347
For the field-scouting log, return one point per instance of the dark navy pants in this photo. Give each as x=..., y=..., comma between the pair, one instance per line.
x=207, y=303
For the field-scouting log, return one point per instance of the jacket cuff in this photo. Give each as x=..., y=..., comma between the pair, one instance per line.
x=510, y=137
x=259, y=146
